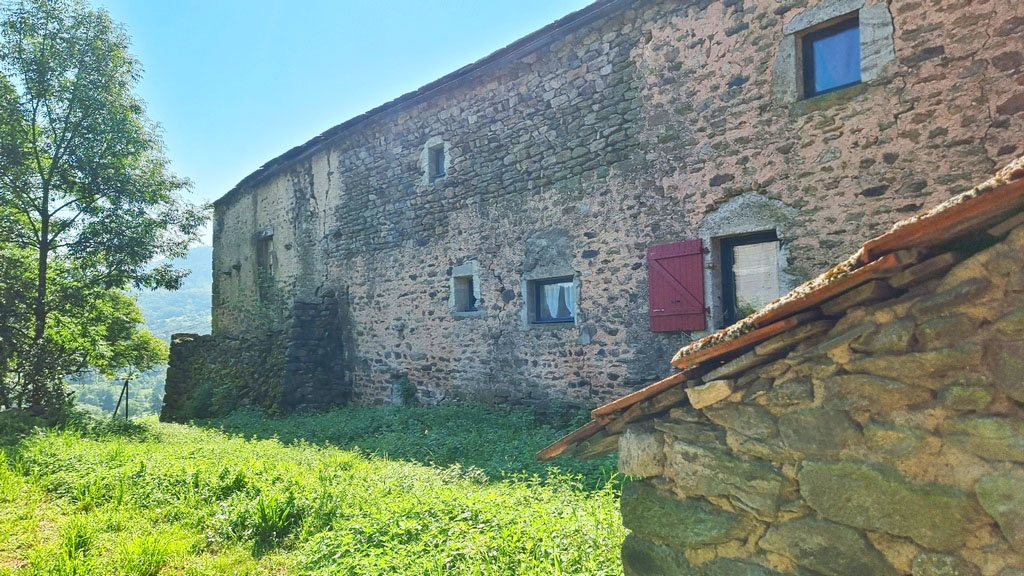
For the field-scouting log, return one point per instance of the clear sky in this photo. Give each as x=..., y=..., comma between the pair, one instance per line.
x=234, y=83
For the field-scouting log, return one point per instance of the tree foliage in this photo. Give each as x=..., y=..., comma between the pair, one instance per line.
x=87, y=199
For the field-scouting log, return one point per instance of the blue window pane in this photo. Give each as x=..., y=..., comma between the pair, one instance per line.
x=832, y=58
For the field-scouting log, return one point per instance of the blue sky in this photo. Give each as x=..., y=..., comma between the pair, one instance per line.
x=234, y=83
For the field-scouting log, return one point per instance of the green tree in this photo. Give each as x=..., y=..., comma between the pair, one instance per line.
x=105, y=398
x=85, y=189
x=122, y=348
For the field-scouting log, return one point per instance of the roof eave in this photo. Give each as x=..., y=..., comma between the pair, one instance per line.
x=533, y=41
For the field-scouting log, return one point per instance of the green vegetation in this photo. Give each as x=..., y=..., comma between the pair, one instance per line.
x=145, y=498
x=97, y=394
x=165, y=312
x=186, y=309
x=87, y=203
x=498, y=442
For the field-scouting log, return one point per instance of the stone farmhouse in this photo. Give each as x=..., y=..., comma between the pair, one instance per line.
x=553, y=222
x=870, y=422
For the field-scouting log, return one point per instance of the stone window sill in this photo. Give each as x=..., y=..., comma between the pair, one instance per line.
x=547, y=326
x=828, y=100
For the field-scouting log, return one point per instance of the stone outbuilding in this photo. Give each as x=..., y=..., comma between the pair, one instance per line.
x=870, y=422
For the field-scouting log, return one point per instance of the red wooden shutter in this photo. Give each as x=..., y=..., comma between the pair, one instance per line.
x=676, y=281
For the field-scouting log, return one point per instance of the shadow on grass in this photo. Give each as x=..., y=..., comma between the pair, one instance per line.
x=502, y=443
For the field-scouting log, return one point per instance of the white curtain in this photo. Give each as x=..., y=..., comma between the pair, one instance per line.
x=756, y=269
x=570, y=298
x=551, y=292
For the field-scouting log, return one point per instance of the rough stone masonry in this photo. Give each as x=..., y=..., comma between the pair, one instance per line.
x=568, y=154
x=890, y=442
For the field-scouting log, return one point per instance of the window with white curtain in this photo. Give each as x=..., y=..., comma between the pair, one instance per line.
x=750, y=274
x=553, y=300
x=831, y=57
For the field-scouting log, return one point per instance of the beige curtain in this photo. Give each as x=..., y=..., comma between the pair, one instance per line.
x=756, y=269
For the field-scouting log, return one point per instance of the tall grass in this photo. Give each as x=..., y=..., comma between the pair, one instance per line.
x=172, y=499
x=143, y=555
x=497, y=441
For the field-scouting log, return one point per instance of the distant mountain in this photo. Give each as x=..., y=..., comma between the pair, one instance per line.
x=187, y=309
x=166, y=313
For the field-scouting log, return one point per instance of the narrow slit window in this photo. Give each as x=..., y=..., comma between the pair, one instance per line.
x=831, y=57
x=265, y=256
x=465, y=294
x=265, y=267
x=436, y=160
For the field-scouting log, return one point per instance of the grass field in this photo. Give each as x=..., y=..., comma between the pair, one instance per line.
x=450, y=490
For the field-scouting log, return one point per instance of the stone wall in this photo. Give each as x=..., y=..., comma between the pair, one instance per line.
x=210, y=376
x=891, y=443
x=303, y=365
x=652, y=121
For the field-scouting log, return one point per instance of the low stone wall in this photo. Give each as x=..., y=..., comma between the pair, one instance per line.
x=212, y=375
x=891, y=444
x=301, y=366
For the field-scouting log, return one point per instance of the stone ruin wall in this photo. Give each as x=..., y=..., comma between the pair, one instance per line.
x=640, y=128
x=295, y=362
x=892, y=444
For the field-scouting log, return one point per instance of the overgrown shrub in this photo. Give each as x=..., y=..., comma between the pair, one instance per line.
x=15, y=424
x=142, y=555
x=271, y=518
x=407, y=391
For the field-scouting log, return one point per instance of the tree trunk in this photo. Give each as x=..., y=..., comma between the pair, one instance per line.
x=40, y=306
x=38, y=388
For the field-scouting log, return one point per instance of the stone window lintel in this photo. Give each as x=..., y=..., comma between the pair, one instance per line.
x=813, y=18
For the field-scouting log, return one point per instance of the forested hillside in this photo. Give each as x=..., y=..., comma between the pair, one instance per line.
x=184, y=310
x=166, y=312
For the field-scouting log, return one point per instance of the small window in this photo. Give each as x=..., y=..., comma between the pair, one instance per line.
x=435, y=159
x=265, y=256
x=750, y=274
x=464, y=297
x=465, y=294
x=831, y=57
x=265, y=266
x=553, y=300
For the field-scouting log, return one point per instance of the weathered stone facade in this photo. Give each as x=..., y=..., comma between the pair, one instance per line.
x=630, y=124
x=889, y=441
